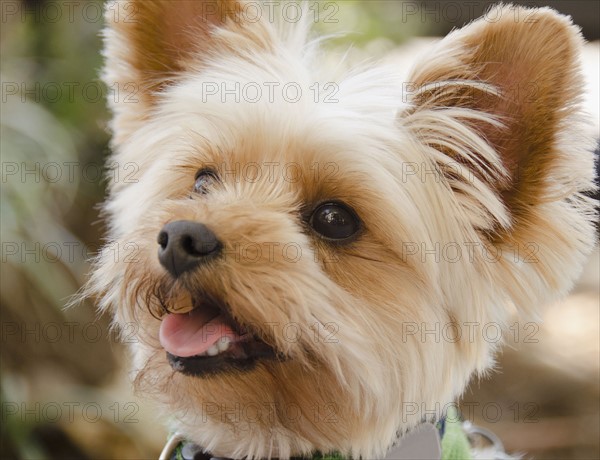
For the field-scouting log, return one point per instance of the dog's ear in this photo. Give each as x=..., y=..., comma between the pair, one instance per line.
x=148, y=44
x=498, y=104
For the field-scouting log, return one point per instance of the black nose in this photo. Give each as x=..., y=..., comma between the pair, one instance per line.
x=185, y=244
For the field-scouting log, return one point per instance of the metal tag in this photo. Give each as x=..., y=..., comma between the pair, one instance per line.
x=421, y=443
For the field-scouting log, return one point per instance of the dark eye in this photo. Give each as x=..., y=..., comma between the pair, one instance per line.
x=334, y=221
x=205, y=179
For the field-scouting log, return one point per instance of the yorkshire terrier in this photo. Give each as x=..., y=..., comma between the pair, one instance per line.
x=301, y=247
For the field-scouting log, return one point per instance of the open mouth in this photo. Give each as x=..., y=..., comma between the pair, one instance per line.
x=207, y=340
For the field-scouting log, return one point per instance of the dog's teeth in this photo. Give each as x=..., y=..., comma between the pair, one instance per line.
x=223, y=343
x=213, y=351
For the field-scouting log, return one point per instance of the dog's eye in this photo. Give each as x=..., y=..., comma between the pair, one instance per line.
x=205, y=179
x=334, y=221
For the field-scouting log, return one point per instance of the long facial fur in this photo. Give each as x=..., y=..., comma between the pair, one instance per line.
x=353, y=393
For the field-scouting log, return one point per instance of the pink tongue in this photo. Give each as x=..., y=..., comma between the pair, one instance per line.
x=191, y=334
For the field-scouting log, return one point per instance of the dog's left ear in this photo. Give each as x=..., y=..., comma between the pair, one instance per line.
x=149, y=44
x=498, y=105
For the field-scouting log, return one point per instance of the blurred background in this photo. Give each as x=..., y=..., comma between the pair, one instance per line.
x=64, y=389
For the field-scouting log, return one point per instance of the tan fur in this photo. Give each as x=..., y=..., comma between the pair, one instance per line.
x=512, y=175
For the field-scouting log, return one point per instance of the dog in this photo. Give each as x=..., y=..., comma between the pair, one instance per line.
x=300, y=246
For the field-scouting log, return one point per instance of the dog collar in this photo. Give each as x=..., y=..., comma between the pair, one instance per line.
x=446, y=440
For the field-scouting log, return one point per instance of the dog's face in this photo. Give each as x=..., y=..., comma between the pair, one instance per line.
x=308, y=271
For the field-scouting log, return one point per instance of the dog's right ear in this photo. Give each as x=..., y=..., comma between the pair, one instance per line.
x=149, y=44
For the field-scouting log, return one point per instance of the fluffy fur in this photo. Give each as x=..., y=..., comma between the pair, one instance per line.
x=466, y=154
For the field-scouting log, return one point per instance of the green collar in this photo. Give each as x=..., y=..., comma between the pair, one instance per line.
x=454, y=444
x=188, y=451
